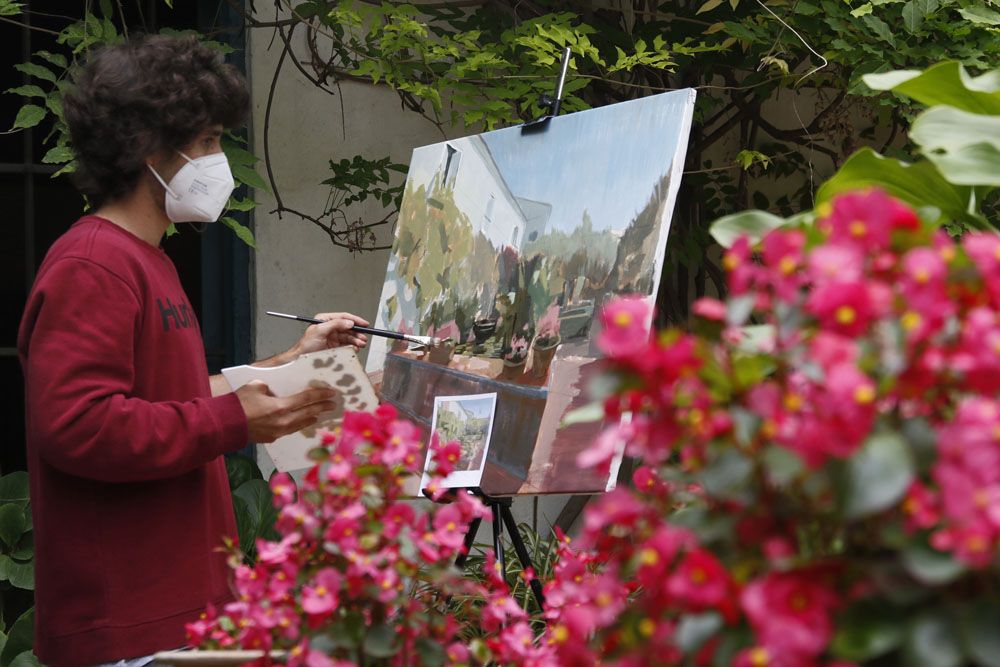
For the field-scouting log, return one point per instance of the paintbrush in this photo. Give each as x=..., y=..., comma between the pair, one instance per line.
x=425, y=341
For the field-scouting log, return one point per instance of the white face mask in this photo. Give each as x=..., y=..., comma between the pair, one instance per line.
x=200, y=190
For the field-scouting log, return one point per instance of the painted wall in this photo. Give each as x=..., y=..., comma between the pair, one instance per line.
x=296, y=268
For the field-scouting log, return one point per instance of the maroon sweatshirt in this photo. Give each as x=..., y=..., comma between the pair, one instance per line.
x=129, y=494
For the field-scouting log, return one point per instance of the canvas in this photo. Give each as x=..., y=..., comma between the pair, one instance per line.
x=507, y=245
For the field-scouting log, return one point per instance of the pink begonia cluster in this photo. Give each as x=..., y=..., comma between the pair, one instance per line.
x=737, y=544
x=356, y=558
x=877, y=323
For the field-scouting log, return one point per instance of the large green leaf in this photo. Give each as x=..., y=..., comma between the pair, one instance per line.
x=754, y=224
x=945, y=83
x=932, y=641
x=30, y=115
x=21, y=575
x=241, y=469
x=980, y=14
x=931, y=567
x=867, y=630
x=25, y=659
x=21, y=638
x=12, y=524
x=919, y=184
x=14, y=488
x=380, y=642
x=979, y=624
x=696, y=629
x=243, y=233
x=260, y=507
x=877, y=476
x=964, y=146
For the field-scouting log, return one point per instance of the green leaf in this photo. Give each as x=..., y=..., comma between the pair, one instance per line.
x=980, y=14
x=29, y=90
x=244, y=525
x=919, y=184
x=21, y=638
x=880, y=28
x=12, y=524
x=877, y=476
x=708, y=6
x=965, y=147
x=56, y=59
x=243, y=233
x=58, y=155
x=863, y=10
x=14, y=488
x=913, y=18
x=945, y=83
x=867, y=630
x=247, y=175
x=431, y=653
x=380, y=642
x=257, y=495
x=754, y=224
x=695, y=629
x=25, y=659
x=931, y=641
x=21, y=575
x=241, y=469
x=931, y=567
x=37, y=71
x=9, y=8
x=979, y=626
x=30, y=115
x=728, y=475
x=782, y=465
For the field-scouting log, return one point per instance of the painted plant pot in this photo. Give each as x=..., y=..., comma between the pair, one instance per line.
x=483, y=329
x=441, y=353
x=541, y=356
x=513, y=369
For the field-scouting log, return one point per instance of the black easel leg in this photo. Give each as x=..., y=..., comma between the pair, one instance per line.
x=470, y=539
x=522, y=553
x=498, y=538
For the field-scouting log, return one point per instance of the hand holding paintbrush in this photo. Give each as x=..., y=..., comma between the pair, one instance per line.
x=425, y=341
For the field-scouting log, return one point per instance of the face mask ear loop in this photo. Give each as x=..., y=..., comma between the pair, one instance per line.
x=165, y=186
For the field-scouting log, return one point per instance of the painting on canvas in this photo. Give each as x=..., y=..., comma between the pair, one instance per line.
x=508, y=244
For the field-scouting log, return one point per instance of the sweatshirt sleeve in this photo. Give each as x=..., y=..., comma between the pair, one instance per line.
x=79, y=372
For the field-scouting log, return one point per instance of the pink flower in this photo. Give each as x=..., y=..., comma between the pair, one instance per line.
x=397, y=517
x=790, y=613
x=449, y=527
x=700, y=581
x=283, y=488
x=739, y=265
x=841, y=307
x=625, y=327
x=319, y=597
x=782, y=253
x=445, y=456
x=606, y=446
x=710, y=309
x=835, y=262
x=867, y=219
x=275, y=553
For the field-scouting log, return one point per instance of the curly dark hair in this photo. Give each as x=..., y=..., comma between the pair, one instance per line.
x=134, y=99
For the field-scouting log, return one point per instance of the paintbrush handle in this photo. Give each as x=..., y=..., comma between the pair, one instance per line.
x=365, y=330
x=379, y=332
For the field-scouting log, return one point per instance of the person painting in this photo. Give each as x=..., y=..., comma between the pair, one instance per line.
x=125, y=428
